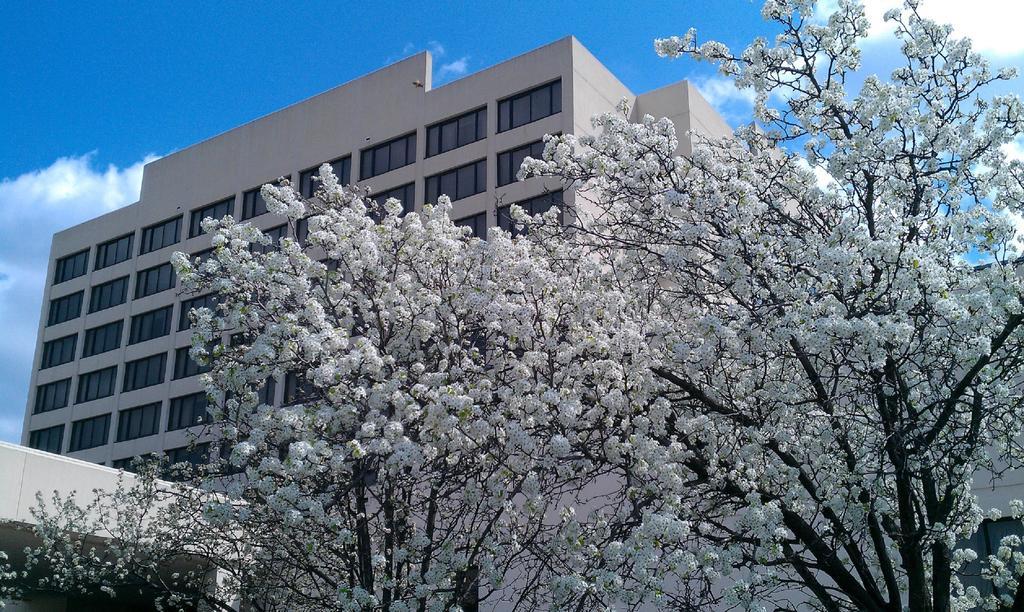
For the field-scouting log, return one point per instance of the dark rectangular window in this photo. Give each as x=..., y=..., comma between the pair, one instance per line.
x=159, y=235
x=387, y=156
x=298, y=389
x=65, y=308
x=138, y=422
x=89, y=433
x=529, y=106
x=188, y=410
x=114, y=252
x=309, y=179
x=103, y=338
x=149, y=325
x=275, y=234
x=267, y=392
x=95, y=385
x=185, y=366
x=71, y=266
x=204, y=301
x=253, y=204
x=302, y=230
x=49, y=439
x=129, y=463
x=476, y=223
x=406, y=194
x=194, y=455
x=154, y=280
x=59, y=351
x=202, y=256
x=458, y=183
x=533, y=206
x=108, y=294
x=510, y=161
x=457, y=132
x=52, y=396
x=144, y=372
x=217, y=210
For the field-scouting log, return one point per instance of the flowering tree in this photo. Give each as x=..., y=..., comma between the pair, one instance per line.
x=724, y=384
x=838, y=367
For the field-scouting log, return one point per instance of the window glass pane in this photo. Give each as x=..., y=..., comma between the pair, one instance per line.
x=366, y=164
x=556, y=97
x=467, y=129
x=465, y=181
x=481, y=124
x=433, y=140
x=343, y=170
x=448, y=184
x=517, y=161
x=504, y=115
x=431, y=184
x=504, y=168
x=398, y=153
x=540, y=103
x=449, y=136
x=481, y=176
x=381, y=160
x=520, y=110
x=307, y=186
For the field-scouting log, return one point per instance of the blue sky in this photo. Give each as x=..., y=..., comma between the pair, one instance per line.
x=90, y=91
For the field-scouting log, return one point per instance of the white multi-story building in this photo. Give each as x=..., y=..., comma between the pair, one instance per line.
x=112, y=378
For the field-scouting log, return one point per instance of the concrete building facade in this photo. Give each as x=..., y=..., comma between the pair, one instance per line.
x=111, y=379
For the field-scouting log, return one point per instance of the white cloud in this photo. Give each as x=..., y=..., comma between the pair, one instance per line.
x=33, y=206
x=1014, y=150
x=720, y=92
x=822, y=178
x=992, y=25
x=436, y=48
x=452, y=70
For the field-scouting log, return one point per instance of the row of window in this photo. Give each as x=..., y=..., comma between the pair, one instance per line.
x=111, y=293
x=142, y=421
x=443, y=136
x=98, y=384
x=119, y=249
x=462, y=181
x=132, y=423
x=193, y=454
